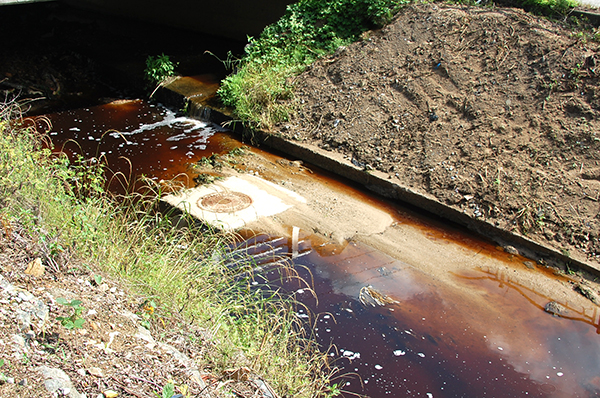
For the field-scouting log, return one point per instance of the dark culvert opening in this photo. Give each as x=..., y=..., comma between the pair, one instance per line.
x=57, y=57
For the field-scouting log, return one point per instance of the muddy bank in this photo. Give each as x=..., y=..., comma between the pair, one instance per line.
x=493, y=112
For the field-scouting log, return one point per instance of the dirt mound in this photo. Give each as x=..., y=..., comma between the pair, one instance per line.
x=492, y=111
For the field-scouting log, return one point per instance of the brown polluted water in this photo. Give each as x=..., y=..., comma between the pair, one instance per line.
x=412, y=336
x=137, y=138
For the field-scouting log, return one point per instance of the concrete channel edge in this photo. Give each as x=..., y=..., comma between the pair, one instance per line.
x=379, y=183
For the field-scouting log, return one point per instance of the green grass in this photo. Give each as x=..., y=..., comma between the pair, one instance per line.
x=259, y=90
x=64, y=205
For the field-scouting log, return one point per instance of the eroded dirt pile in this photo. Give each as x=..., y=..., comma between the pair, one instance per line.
x=492, y=111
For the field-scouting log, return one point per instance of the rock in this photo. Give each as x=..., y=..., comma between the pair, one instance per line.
x=110, y=394
x=529, y=264
x=144, y=334
x=95, y=372
x=35, y=268
x=587, y=293
x=57, y=381
x=510, y=249
x=184, y=360
x=555, y=309
x=19, y=346
x=32, y=309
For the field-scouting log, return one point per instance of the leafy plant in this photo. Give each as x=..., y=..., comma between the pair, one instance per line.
x=158, y=68
x=74, y=321
x=333, y=391
x=147, y=312
x=3, y=377
x=168, y=390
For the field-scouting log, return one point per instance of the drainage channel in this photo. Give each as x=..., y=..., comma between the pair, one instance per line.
x=406, y=305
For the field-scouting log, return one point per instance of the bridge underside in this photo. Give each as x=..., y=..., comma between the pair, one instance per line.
x=234, y=19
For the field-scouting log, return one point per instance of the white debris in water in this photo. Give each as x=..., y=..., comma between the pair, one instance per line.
x=399, y=353
x=500, y=348
x=170, y=120
x=327, y=317
x=421, y=355
x=429, y=395
x=378, y=367
x=74, y=129
x=304, y=316
x=350, y=354
x=560, y=374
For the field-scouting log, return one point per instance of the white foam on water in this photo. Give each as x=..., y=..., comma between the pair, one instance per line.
x=170, y=120
x=350, y=354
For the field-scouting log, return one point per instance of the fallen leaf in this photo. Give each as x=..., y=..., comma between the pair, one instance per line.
x=110, y=394
x=35, y=268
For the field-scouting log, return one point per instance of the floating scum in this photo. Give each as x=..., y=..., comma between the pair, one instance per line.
x=235, y=202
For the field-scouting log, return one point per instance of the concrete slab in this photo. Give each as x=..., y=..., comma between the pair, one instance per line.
x=235, y=202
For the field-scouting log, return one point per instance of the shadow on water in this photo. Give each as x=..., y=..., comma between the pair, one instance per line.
x=392, y=330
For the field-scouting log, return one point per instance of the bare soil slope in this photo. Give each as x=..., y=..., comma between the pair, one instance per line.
x=492, y=111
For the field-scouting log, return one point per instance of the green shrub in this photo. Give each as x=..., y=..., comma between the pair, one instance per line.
x=158, y=68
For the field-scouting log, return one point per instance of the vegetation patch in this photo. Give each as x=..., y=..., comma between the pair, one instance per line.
x=308, y=30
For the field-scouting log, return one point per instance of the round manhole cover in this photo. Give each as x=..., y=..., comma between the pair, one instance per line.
x=225, y=202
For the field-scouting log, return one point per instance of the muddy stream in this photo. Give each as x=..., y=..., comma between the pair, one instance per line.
x=414, y=308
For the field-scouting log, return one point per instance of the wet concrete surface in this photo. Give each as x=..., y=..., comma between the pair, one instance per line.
x=412, y=307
